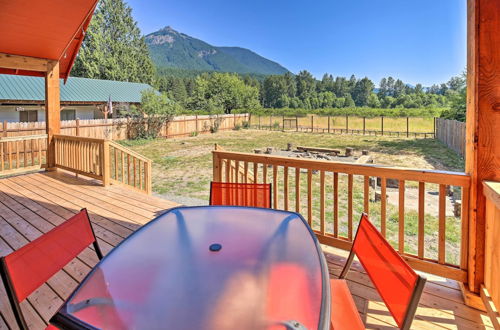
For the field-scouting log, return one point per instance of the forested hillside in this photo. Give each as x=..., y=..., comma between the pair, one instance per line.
x=172, y=49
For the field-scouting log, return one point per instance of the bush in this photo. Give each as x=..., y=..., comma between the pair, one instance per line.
x=245, y=124
x=237, y=127
x=155, y=111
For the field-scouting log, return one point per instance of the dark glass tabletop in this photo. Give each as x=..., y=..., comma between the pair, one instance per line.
x=208, y=268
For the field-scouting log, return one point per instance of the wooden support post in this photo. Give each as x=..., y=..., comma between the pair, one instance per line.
x=52, y=111
x=312, y=123
x=482, y=161
x=77, y=127
x=346, y=124
x=106, y=164
x=364, y=125
x=297, y=123
x=382, y=124
x=407, y=126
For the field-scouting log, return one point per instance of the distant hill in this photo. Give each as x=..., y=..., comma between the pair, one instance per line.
x=171, y=49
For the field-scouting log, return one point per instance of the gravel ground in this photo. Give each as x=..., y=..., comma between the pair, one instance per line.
x=189, y=201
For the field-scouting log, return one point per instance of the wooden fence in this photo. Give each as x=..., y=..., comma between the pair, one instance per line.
x=116, y=129
x=331, y=196
x=452, y=134
x=378, y=126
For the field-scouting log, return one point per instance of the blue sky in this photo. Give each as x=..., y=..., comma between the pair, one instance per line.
x=417, y=41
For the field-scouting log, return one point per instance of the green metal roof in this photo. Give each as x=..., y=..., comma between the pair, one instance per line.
x=25, y=88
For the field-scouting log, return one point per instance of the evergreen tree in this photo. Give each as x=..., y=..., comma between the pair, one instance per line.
x=362, y=91
x=306, y=85
x=113, y=47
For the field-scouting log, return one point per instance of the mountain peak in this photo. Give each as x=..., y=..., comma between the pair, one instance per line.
x=170, y=48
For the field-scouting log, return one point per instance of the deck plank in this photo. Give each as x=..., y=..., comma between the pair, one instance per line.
x=32, y=204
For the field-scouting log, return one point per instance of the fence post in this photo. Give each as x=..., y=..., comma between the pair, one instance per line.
x=196, y=122
x=407, y=126
x=346, y=124
x=4, y=128
x=78, y=127
x=364, y=125
x=234, y=120
x=296, y=123
x=382, y=124
x=283, y=123
x=105, y=163
x=312, y=123
x=328, y=124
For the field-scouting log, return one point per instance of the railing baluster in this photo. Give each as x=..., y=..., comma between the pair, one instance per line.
x=383, y=206
x=349, y=205
x=442, y=224
x=275, y=186
x=401, y=219
x=140, y=173
x=135, y=168
x=123, y=167
x=366, y=194
x=236, y=171
x=297, y=190
x=2, y=165
x=335, y=204
x=25, y=153
x=322, y=202
x=264, y=173
x=285, y=188
x=17, y=154
x=40, y=152
x=115, y=156
x=245, y=172
x=255, y=172
x=9, y=147
x=309, y=197
x=32, y=147
x=465, y=228
x=128, y=169
x=228, y=169
x=421, y=218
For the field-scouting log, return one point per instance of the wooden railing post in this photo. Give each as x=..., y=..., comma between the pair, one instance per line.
x=106, y=163
x=148, y=170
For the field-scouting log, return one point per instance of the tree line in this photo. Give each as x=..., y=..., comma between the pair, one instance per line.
x=115, y=49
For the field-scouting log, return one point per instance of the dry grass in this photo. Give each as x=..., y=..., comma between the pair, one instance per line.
x=184, y=167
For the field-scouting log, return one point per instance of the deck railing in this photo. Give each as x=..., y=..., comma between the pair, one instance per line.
x=490, y=292
x=129, y=168
x=332, y=195
x=103, y=160
x=22, y=153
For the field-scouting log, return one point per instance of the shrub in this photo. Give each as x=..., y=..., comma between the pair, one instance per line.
x=237, y=127
x=245, y=124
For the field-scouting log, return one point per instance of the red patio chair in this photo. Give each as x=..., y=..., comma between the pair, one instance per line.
x=240, y=194
x=397, y=283
x=25, y=270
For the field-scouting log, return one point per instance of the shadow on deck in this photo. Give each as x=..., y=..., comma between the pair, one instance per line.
x=32, y=204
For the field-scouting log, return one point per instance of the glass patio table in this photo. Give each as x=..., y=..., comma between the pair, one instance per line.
x=209, y=267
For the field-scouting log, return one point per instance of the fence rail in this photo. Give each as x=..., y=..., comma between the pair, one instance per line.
x=129, y=168
x=452, y=133
x=378, y=126
x=331, y=199
x=117, y=129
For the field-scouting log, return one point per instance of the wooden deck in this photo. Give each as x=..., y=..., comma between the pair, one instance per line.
x=32, y=204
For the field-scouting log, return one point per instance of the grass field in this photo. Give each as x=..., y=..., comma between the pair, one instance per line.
x=394, y=124
x=183, y=167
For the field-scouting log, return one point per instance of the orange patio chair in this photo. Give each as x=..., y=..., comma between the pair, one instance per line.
x=25, y=270
x=397, y=283
x=240, y=194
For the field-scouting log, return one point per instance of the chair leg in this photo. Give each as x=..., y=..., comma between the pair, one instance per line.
x=347, y=266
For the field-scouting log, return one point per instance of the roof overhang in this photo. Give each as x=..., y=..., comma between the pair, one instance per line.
x=36, y=34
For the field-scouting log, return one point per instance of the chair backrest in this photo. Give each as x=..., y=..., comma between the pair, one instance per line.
x=240, y=194
x=397, y=283
x=25, y=270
